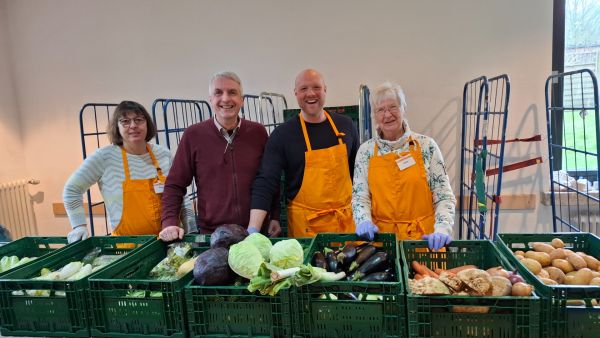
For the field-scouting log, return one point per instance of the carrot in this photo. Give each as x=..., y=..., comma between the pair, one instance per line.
x=418, y=276
x=461, y=268
x=423, y=270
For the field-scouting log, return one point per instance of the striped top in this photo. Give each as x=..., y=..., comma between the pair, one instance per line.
x=105, y=167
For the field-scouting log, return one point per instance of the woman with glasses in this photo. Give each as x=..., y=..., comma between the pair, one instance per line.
x=400, y=182
x=131, y=174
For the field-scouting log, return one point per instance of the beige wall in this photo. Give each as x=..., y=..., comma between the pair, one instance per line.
x=12, y=164
x=67, y=53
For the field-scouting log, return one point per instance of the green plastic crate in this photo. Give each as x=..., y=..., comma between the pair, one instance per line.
x=31, y=247
x=116, y=315
x=326, y=309
x=432, y=316
x=55, y=315
x=232, y=311
x=558, y=319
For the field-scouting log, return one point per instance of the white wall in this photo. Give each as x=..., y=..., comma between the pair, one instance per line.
x=12, y=163
x=67, y=53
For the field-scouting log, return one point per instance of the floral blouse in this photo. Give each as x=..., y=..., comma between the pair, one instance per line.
x=444, y=201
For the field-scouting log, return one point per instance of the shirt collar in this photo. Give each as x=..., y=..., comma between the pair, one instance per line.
x=222, y=129
x=396, y=144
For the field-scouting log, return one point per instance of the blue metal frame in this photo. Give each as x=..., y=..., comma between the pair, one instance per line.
x=95, y=133
x=573, y=210
x=178, y=114
x=266, y=109
x=484, y=112
x=364, y=114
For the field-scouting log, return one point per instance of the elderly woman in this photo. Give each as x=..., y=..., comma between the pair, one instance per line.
x=400, y=183
x=131, y=175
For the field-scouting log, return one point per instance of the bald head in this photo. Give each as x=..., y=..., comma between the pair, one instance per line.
x=308, y=73
x=310, y=91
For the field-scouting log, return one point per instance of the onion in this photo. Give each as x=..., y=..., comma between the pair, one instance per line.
x=515, y=278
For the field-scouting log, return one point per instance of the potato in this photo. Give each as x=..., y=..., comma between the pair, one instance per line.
x=572, y=273
x=548, y=281
x=582, y=277
x=471, y=309
x=557, y=254
x=542, y=247
x=541, y=257
x=595, y=281
x=595, y=274
x=501, y=286
x=519, y=257
x=521, y=289
x=532, y=265
x=581, y=253
x=555, y=274
x=557, y=243
x=575, y=302
x=543, y=274
x=563, y=264
x=591, y=262
x=519, y=253
x=577, y=262
x=569, y=280
x=568, y=252
x=498, y=271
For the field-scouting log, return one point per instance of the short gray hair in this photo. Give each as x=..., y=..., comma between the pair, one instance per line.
x=388, y=90
x=226, y=74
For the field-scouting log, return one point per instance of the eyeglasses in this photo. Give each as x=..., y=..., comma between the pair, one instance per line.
x=393, y=109
x=127, y=122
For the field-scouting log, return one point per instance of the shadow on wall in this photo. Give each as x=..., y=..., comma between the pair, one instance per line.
x=447, y=136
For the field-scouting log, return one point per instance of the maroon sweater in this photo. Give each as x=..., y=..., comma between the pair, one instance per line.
x=223, y=175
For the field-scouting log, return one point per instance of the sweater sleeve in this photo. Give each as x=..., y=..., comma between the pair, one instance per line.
x=361, y=196
x=444, y=201
x=180, y=177
x=78, y=183
x=266, y=184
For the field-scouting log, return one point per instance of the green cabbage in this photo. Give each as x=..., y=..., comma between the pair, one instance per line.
x=245, y=259
x=261, y=242
x=287, y=254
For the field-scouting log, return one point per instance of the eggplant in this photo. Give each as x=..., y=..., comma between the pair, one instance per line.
x=376, y=262
x=381, y=276
x=318, y=260
x=331, y=260
x=347, y=255
x=362, y=256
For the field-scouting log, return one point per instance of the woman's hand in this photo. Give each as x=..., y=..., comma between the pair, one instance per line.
x=366, y=229
x=437, y=240
x=79, y=233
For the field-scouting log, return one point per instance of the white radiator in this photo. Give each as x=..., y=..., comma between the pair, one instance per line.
x=587, y=222
x=16, y=208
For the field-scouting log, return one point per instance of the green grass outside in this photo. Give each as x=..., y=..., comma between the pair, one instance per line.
x=580, y=133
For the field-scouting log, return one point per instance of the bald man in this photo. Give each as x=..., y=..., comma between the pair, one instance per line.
x=316, y=151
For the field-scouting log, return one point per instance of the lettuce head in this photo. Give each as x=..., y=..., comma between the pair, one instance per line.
x=287, y=254
x=262, y=243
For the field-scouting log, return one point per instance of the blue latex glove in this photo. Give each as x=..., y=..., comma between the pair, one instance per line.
x=437, y=240
x=366, y=229
x=252, y=230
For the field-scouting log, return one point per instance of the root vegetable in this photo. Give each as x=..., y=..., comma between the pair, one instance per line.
x=557, y=243
x=543, y=274
x=498, y=271
x=548, y=281
x=577, y=262
x=582, y=277
x=521, y=290
x=556, y=274
x=558, y=254
x=542, y=247
x=532, y=265
x=542, y=257
x=595, y=281
x=591, y=262
x=563, y=264
x=501, y=286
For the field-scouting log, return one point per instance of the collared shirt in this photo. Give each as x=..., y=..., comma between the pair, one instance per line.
x=228, y=137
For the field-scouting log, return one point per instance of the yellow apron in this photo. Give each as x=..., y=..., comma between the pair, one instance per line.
x=323, y=203
x=141, y=204
x=401, y=201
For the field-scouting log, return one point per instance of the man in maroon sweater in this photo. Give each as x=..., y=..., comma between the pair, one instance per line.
x=223, y=156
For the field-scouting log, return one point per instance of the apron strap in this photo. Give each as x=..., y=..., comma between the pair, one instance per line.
x=154, y=162
x=305, y=133
x=411, y=224
x=125, y=164
x=316, y=213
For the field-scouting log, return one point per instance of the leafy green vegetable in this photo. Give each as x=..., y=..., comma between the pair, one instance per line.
x=245, y=259
x=262, y=243
x=287, y=254
x=177, y=254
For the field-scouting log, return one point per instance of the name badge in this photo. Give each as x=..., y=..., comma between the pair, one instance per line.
x=159, y=187
x=405, y=161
